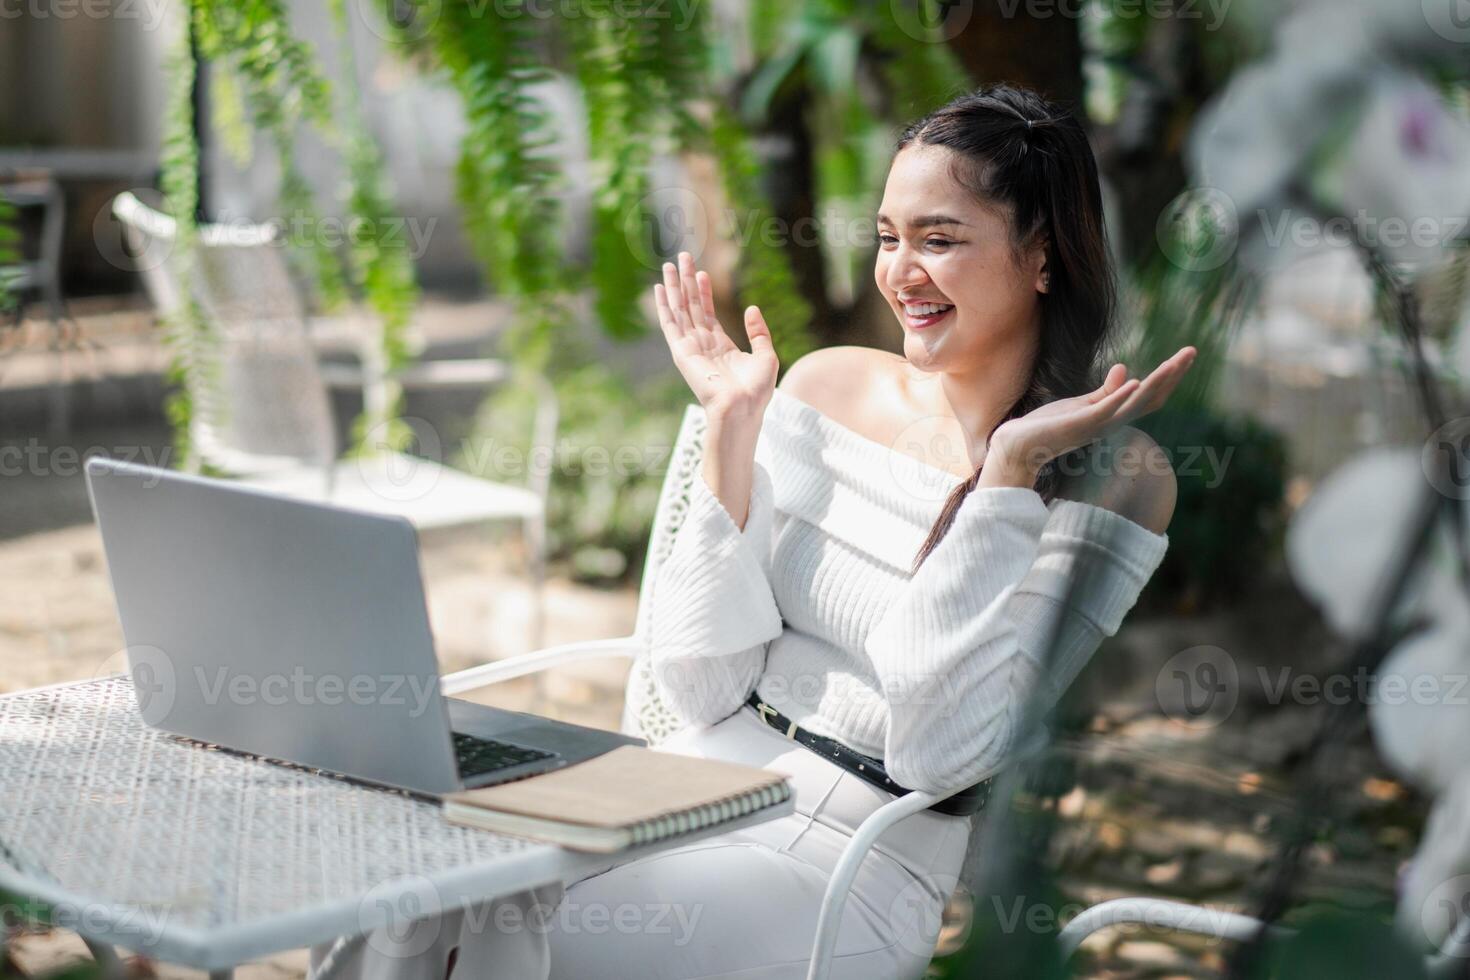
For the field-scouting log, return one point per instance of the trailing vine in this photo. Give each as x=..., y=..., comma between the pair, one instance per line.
x=651, y=84
x=764, y=270
x=642, y=75
x=281, y=88
x=624, y=122
x=854, y=75
x=380, y=265
x=505, y=179
x=263, y=77
x=193, y=369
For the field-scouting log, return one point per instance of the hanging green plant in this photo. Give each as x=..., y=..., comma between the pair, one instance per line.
x=624, y=125
x=282, y=88
x=379, y=263
x=765, y=272
x=263, y=78
x=837, y=78
x=640, y=75
x=505, y=180
x=193, y=370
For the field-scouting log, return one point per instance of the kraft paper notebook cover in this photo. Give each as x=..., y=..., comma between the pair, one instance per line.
x=629, y=796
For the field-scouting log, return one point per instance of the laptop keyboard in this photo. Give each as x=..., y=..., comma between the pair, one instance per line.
x=477, y=756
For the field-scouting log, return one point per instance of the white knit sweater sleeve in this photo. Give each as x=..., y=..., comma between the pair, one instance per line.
x=712, y=611
x=959, y=652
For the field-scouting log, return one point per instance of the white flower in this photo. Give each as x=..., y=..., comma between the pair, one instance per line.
x=1404, y=176
x=1350, y=529
x=1420, y=717
x=1437, y=883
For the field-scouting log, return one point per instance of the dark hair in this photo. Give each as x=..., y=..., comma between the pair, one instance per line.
x=1018, y=150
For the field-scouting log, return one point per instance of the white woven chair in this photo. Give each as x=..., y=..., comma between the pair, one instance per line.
x=265, y=414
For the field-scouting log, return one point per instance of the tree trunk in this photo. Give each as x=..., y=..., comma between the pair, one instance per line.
x=1034, y=43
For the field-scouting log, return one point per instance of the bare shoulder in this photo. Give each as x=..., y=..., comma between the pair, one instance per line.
x=1136, y=480
x=836, y=380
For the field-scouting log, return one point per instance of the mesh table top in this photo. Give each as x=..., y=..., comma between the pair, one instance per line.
x=208, y=858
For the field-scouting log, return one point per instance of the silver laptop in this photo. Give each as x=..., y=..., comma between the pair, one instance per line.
x=298, y=632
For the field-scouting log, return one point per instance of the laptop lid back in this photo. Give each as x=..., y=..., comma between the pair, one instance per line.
x=287, y=629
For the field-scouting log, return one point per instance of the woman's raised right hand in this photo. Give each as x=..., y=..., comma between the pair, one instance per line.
x=728, y=382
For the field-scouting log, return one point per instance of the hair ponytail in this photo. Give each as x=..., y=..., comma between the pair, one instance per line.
x=1016, y=149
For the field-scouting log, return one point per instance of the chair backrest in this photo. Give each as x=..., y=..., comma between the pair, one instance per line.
x=43, y=269
x=259, y=402
x=644, y=712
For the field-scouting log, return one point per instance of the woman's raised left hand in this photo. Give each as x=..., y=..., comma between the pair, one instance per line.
x=1021, y=447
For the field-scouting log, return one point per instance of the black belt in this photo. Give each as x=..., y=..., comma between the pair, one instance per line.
x=969, y=800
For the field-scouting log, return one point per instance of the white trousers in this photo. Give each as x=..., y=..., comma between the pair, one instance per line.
x=742, y=904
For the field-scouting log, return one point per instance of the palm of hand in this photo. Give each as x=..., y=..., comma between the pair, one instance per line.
x=720, y=374
x=1062, y=425
x=716, y=370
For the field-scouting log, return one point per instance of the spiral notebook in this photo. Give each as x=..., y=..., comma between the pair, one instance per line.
x=628, y=796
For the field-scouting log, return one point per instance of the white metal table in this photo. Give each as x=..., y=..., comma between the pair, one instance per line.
x=209, y=859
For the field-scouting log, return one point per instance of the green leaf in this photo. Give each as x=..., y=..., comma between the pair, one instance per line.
x=834, y=60
x=755, y=104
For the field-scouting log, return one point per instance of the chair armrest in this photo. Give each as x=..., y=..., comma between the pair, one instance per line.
x=1158, y=913
x=432, y=375
x=830, y=916
x=890, y=813
x=341, y=375
x=531, y=663
x=452, y=373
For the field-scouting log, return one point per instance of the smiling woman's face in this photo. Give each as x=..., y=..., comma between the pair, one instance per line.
x=946, y=267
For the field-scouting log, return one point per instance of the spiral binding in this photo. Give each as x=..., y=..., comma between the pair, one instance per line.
x=725, y=808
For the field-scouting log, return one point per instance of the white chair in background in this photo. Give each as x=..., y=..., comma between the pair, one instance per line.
x=41, y=273
x=261, y=409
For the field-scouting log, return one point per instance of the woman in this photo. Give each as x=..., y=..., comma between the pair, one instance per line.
x=839, y=570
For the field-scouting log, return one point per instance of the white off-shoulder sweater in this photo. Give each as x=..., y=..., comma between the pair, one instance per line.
x=812, y=604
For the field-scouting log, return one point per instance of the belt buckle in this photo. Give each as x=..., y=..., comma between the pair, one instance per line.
x=767, y=712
